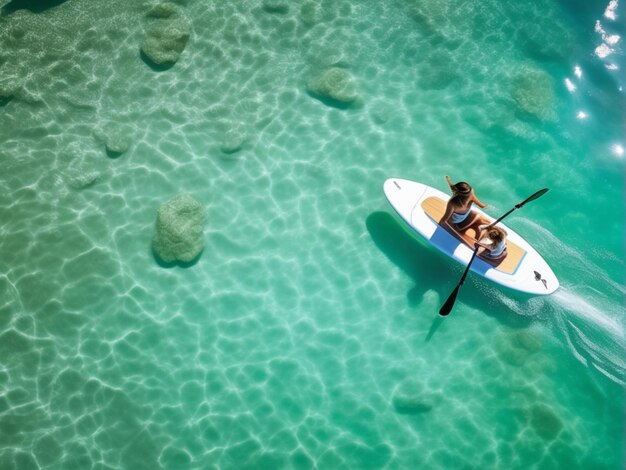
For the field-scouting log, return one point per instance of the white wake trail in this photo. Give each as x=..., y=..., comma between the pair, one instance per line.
x=587, y=312
x=589, y=320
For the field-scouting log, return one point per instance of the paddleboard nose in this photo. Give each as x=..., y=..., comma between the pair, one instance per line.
x=403, y=195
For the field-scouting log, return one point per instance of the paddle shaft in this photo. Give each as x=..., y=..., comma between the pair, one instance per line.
x=476, y=247
x=447, y=306
x=502, y=217
x=539, y=193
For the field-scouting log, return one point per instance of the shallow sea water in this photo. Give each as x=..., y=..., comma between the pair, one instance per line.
x=306, y=335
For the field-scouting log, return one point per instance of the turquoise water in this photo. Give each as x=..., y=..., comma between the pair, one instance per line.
x=306, y=335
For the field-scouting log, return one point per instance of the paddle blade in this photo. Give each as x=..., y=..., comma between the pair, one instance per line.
x=538, y=194
x=447, y=306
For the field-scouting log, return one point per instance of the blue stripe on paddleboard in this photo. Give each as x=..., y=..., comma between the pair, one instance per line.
x=490, y=266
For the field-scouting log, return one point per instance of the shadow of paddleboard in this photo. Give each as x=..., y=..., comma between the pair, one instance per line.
x=431, y=270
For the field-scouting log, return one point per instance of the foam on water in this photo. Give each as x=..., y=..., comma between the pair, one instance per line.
x=593, y=307
x=604, y=343
x=610, y=322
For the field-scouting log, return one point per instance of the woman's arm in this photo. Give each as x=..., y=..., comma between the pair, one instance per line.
x=484, y=245
x=484, y=248
x=481, y=251
x=477, y=201
x=450, y=183
x=486, y=226
x=446, y=214
x=482, y=234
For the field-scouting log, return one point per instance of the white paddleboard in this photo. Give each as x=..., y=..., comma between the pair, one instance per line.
x=421, y=206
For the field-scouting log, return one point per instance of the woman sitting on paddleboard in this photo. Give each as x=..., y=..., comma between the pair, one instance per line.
x=459, y=213
x=492, y=241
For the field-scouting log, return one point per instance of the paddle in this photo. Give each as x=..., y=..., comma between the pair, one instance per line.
x=539, y=193
x=447, y=306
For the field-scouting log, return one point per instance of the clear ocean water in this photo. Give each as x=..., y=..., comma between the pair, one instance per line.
x=306, y=335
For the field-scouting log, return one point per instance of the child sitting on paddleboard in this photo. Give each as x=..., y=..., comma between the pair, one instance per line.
x=492, y=241
x=459, y=214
